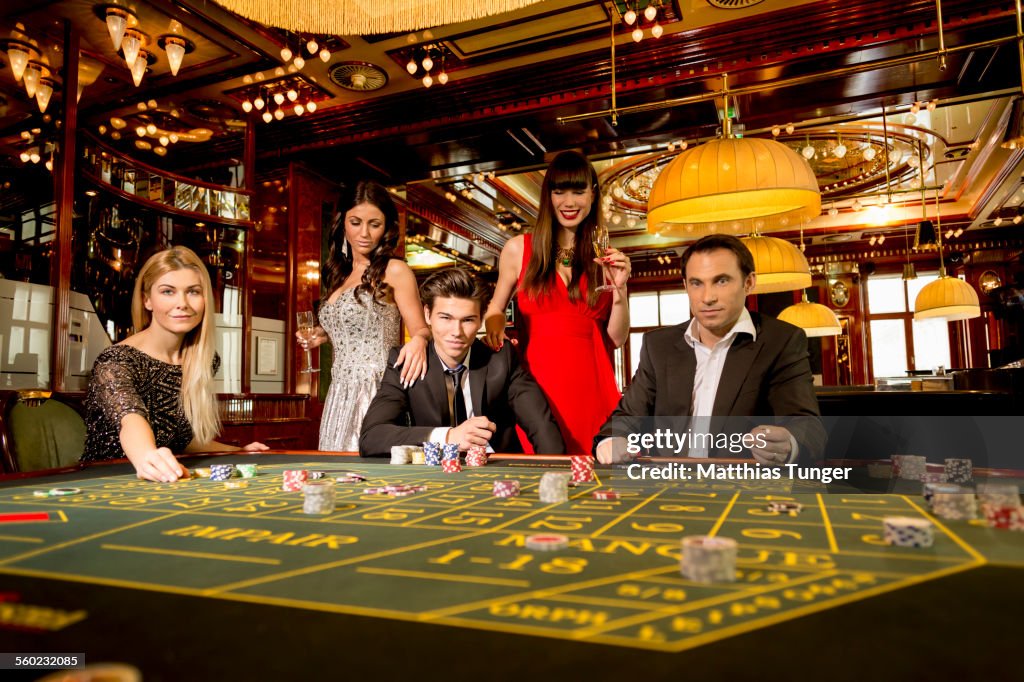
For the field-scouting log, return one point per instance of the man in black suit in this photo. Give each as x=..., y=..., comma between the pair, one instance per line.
x=471, y=395
x=725, y=362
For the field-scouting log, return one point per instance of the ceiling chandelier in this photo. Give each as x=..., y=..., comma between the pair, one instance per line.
x=30, y=66
x=632, y=16
x=136, y=46
x=358, y=17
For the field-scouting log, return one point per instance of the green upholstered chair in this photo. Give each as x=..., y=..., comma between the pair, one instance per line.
x=40, y=430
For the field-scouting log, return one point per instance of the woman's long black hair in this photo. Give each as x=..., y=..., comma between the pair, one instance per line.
x=569, y=170
x=339, y=260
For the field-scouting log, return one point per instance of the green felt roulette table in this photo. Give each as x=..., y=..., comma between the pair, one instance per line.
x=194, y=580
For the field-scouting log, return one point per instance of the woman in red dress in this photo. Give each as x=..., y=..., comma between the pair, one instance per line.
x=568, y=326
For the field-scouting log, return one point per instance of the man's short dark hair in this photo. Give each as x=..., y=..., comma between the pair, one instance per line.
x=721, y=241
x=455, y=282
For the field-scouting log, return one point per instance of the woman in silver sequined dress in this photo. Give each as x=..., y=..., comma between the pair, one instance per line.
x=371, y=292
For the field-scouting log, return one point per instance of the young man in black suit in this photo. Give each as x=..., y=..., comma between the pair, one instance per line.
x=724, y=363
x=471, y=395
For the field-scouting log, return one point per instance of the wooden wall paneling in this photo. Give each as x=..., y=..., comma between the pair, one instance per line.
x=308, y=192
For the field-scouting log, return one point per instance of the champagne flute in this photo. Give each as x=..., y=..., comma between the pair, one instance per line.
x=600, y=241
x=306, y=323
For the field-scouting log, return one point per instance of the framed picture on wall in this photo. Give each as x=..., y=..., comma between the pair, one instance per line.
x=266, y=356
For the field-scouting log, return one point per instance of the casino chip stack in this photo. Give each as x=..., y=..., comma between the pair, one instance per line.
x=505, y=488
x=450, y=451
x=476, y=456
x=432, y=454
x=451, y=465
x=400, y=454
x=929, y=490
x=929, y=481
x=582, y=468
x=221, y=472
x=959, y=470
x=318, y=497
x=783, y=507
x=418, y=456
x=709, y=560
x=909, y=467
x=1004, y=517
x=247, y=470
x=953, y=503
x=554, y=487
x=999, y=494
x=202, y=472
x=294, y=479
x=906, y=531
x=607, y=494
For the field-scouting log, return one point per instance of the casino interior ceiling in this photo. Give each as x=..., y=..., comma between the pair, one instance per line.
x=520, y=86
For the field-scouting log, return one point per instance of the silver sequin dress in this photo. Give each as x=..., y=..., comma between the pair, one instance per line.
x=362, y=332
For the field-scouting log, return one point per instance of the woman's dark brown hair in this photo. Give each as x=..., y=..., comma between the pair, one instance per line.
x=569, y=170
x=339, y=260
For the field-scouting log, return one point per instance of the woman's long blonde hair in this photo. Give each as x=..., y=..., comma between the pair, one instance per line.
x=198, y=400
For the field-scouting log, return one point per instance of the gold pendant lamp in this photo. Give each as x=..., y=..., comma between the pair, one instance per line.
x=780, y=266
x=733, y=185
x=814, y=318
x=948, y=298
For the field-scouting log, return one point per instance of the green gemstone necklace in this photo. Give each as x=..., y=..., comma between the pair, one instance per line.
x=565, y=255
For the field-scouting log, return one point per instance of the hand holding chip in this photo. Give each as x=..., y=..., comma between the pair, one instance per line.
x=778, y=445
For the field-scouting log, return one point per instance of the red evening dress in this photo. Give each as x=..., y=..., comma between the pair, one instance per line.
x=566, y=348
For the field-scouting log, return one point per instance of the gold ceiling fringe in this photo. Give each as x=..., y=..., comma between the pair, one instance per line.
x=364, y=17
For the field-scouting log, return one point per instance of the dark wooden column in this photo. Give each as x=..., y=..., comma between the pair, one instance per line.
x=64, y=197
x=249, y=183
x=291, y=284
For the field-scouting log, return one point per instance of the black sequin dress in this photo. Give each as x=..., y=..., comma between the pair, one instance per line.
x=126, y=380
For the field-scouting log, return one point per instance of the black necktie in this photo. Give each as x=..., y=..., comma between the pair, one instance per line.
x=456, y=402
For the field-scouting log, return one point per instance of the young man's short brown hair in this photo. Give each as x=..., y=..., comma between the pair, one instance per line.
x=457, y=282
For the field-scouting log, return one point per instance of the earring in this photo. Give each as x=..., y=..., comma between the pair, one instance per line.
x=346, y=250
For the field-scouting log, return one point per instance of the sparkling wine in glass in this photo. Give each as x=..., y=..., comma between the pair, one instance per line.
x=600, y=246
x=306, y=323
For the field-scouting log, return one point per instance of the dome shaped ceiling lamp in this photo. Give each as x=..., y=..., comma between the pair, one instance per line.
x=814, y=318
x=733, y=185
x=354, y=17
x=780, y=266
x=948, y=298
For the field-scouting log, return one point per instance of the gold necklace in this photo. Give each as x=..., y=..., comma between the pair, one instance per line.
x=565, y=255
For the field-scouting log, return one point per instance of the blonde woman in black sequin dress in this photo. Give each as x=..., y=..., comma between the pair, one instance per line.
x=152, y=394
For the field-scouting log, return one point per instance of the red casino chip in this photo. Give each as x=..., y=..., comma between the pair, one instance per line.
x=547, y=542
